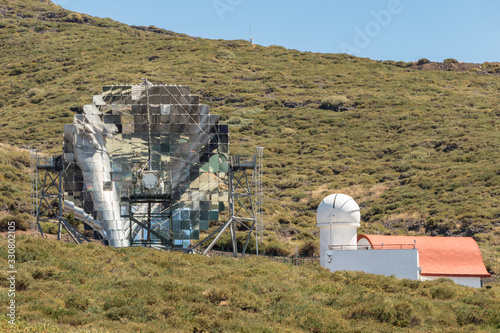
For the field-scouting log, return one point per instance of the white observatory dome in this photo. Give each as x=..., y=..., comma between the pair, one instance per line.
x=338, y=220
x=338, y=208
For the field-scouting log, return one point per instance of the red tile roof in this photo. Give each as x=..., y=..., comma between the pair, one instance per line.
x=438, y=256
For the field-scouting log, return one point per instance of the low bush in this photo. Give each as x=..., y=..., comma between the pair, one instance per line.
x=309, y=249
x=403, y=64
x=443, y=291
x=467, y=315
x=21, y=222
x=44, y=273
x=77, y=302
x=422, y=61
x=74, y=18
x=334, y=103
x=225, y=55
x=216, y=296
x=34, y=92
x=400, y=314
x=276, y=248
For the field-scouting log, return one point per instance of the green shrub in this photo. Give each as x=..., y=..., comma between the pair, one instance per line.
x=70, y=218
x=450, y=61
x=17, y=71
x=36, y=100
x=21, y=222
x=216, y=296
x=335, y=103
x=276, y=248
x=246, y=301
x=491, y=67
x=77, y=302
x=23, y=280
x=296, y=197
x=423, y=61
x=287, y=131
x=234, y=121
x=44, y=273
x=34, y=92
x=444, y=291
x=309, y=249
x=305, y=236
x=325, y=171
x=403, y=64
x=292, y=182
x=400, y=314
x=225, y=55
x=468, y=315
x=134, y=309
x=52, y=228
x=284, y=219
x=74, y=18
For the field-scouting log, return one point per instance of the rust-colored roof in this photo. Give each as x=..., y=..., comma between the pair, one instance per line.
x=438, y=256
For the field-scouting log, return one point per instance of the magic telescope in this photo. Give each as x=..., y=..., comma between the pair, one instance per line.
x=146, y=164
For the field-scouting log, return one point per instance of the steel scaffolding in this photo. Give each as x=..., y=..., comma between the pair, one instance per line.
x=47, y=195
x=245, y=203
x=259, y=198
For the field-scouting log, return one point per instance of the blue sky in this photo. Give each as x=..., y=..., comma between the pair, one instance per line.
x=378, y=29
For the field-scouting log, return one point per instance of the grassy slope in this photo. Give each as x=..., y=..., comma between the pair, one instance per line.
x=92, y=288
x=419, y=152
x=14, y=180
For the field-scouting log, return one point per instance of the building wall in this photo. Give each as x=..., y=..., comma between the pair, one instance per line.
x=402, y=264
x=474, y=282
x=338, y=236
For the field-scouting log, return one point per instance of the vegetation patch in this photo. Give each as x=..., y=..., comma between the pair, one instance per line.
x=152, y=290
x=419, y=154
x=335, y=103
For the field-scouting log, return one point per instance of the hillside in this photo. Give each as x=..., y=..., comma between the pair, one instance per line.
x=416, y=146
x=92, y=288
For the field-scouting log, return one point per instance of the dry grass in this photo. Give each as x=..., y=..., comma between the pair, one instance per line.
x=91, y=288
x=412, y=140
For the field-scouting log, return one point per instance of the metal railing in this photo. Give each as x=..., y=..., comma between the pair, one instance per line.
x=286, y=259
x=44, y=162
x=373, y=247
x=242, y=162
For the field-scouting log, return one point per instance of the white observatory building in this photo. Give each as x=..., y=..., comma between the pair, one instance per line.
x=411, y=257
x=338, y=220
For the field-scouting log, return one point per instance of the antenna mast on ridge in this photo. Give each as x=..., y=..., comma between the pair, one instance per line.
x=251, y=38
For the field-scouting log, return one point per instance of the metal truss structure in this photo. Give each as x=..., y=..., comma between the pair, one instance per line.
x=148, y=165
x=245, y=203
x=47, y=195
x=143, y=165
